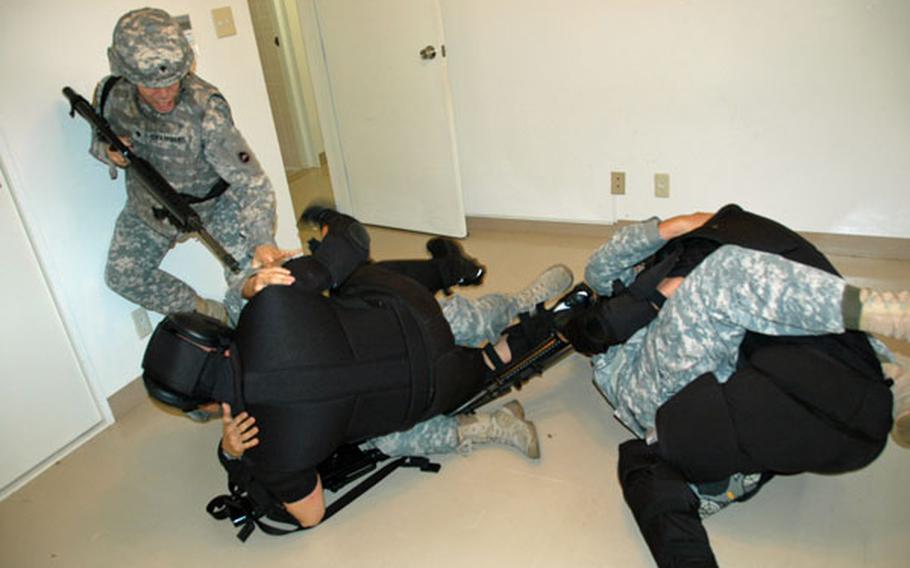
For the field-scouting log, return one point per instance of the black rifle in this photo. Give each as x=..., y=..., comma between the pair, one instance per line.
x=546, y=354
x=178, y=212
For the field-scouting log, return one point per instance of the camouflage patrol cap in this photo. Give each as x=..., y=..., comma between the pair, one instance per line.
x=149, y=48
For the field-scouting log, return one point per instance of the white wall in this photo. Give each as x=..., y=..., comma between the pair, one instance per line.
x=67, y=198
x=799, y=109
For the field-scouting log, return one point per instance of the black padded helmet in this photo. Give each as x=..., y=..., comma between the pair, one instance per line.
x=186, y=361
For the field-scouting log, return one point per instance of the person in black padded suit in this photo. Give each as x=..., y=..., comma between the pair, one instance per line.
x=375, y=360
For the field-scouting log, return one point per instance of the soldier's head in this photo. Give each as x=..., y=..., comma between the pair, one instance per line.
x=150, y=50
x=187, y=364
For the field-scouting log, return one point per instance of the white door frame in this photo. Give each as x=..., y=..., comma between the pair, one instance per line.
x=312, y=36
x=293, y=82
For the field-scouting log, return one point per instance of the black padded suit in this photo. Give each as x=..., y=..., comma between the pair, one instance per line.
x=374, y=357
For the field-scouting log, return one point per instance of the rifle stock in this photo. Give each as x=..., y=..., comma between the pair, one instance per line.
x=177, y=211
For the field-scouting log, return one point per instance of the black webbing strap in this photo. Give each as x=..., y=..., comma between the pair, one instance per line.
x=420, y=462
x=217, y=189
x=239, y=508
x=106, y=91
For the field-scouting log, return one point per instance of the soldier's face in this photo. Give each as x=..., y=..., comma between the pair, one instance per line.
x=162, y=99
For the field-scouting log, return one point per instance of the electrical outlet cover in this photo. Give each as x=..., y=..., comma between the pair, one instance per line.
x=618, y=183
x=224, y=22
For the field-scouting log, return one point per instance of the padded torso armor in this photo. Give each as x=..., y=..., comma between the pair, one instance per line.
x=322, y=371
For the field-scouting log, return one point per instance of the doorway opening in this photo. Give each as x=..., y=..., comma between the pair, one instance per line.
x=282, y=53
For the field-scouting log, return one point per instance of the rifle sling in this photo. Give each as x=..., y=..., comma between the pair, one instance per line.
x=217, y=189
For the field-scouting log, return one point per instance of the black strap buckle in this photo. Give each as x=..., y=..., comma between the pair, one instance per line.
x=236, y=508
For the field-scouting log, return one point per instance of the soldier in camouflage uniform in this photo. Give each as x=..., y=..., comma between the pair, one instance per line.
x=183, y=127
x=700, y=327
x=698, y=331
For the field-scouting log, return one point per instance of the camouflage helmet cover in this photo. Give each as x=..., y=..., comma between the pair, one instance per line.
x=149, y=49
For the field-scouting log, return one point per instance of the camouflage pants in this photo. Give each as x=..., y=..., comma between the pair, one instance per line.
x=701, y=326
x=473, y=322
x=437, y=435
x=136, y=252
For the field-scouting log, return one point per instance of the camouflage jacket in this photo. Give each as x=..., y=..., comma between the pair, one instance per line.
x=192, y=147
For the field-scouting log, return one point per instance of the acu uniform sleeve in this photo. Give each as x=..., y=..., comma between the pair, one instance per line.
x=230, y=156
x=228, y=153
x=617, y=258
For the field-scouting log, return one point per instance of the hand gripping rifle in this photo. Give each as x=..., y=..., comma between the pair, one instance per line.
x=544, y=355
x=177, y=211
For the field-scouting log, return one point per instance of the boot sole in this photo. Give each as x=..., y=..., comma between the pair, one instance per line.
x=534, y=446
x=901, y=431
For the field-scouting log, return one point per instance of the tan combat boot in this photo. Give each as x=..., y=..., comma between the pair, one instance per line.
x=548, y=285
x=887, y=313
x=900, y=373
x=505, y=426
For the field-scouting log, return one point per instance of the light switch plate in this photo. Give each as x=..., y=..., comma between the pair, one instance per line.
x=141, y=322
x=224, y=22
x=661, y=185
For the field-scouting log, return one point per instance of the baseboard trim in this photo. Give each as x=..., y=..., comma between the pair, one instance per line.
x=829, y=243
x=507, y=225
x=861, y=246
x=127, y=398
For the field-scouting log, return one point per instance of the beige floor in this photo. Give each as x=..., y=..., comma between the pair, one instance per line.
x=134, y=495
x=310, y=185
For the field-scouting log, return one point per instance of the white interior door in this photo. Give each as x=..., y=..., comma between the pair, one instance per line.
x=46, y=401
x=393, y=113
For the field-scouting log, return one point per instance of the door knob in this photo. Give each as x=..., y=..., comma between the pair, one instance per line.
x=429, y=52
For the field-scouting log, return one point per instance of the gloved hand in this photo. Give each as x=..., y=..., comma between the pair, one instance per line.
x=586, y=332
x=345, y=246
